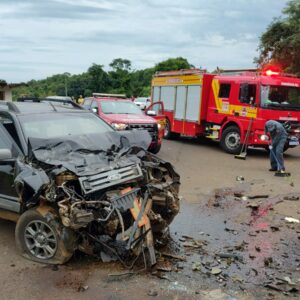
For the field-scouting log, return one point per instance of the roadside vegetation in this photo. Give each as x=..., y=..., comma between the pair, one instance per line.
x=121, y=78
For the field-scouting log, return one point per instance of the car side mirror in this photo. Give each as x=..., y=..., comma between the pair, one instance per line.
x=94, y=110
x=151, y=113
x=5, y=154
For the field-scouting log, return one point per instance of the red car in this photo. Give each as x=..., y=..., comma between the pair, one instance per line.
x=123, y=114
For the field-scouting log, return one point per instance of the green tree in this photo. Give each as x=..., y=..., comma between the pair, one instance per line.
x=99, y=79
x=120, y=64
x=141, y=82
x=281, y=41
x=170, y=64
x=120, y=76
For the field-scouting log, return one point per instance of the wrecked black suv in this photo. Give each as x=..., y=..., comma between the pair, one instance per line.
x=72, y=183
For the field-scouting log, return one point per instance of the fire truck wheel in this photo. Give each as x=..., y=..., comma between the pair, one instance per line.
x=168, y=134
x=231, y=140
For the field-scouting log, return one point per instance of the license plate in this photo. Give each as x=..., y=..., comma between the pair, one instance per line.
x=293, y=143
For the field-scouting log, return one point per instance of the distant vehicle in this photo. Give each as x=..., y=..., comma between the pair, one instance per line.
x=142, y=102
x=122, y=114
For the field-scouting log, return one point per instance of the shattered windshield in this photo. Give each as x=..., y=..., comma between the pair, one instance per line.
x=120, y=107
x=281, y=97
x=48, y=126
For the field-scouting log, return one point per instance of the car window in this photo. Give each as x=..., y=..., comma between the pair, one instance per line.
x=62, y=125
x=157, y=107
x=87, y=103
x=120, y=107
x=4, y=144
x=247, y=93
x=7, y=143
x=224, y=90
x=9, y=125
x=94, y=105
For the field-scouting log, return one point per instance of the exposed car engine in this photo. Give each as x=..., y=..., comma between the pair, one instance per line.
x=112, y=202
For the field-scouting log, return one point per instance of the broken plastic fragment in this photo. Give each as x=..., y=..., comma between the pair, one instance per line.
x=291, y=220
x=215, y=271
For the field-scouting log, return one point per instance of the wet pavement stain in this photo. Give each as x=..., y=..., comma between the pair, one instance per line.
x=244, y=246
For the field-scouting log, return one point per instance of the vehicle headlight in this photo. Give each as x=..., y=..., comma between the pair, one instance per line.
x=119, y=126
x=160, y=125
x=264, y=137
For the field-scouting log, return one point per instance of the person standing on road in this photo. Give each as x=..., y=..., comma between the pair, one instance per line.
x=80, y=100
x=279, y=136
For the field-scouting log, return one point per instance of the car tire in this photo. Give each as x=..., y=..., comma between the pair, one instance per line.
x=231, y=140
x=168, y=134
x=155, y=149
x=41, y=238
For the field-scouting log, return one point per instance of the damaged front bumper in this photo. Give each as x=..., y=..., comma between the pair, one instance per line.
x=115, y=211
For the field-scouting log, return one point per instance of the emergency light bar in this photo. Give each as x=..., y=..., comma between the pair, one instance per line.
x=270, y=73
x=257, y=72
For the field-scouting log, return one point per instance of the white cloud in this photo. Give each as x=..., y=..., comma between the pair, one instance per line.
x=40, y=38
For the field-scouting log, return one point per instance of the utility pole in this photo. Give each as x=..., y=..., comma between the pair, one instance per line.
x=67, y=75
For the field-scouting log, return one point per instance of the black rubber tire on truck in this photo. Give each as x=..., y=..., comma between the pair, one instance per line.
x=169, y=135
x=39, y=238
x=231, y=140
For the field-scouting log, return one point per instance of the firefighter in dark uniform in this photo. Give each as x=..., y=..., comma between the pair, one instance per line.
x=279, y=137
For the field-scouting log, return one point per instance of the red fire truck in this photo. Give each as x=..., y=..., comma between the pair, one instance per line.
x=225, y=106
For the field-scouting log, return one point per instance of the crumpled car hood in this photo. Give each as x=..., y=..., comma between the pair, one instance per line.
x=89, y=155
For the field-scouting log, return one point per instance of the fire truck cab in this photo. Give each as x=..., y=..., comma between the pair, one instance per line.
x=225, y=106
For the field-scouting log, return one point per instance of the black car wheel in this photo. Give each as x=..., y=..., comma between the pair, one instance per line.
x=38, y=238
x=231, y=140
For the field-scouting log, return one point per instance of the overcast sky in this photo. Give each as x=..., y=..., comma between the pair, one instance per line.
x=40, y=38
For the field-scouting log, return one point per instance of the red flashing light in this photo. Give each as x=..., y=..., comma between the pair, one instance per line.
x=271, y=70
x=270, y=73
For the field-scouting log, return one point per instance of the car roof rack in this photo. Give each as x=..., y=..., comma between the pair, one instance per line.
x=121, y=96
x=74, y=104
x=10, y=106
x=56, y=100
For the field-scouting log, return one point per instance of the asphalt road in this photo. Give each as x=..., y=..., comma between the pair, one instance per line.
x=203, y=167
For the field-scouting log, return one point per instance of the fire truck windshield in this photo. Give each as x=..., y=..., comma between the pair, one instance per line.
x=280, y=97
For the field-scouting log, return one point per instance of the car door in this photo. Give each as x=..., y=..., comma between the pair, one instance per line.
x=95, y=108
x=8, y=196
x=156, y=110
